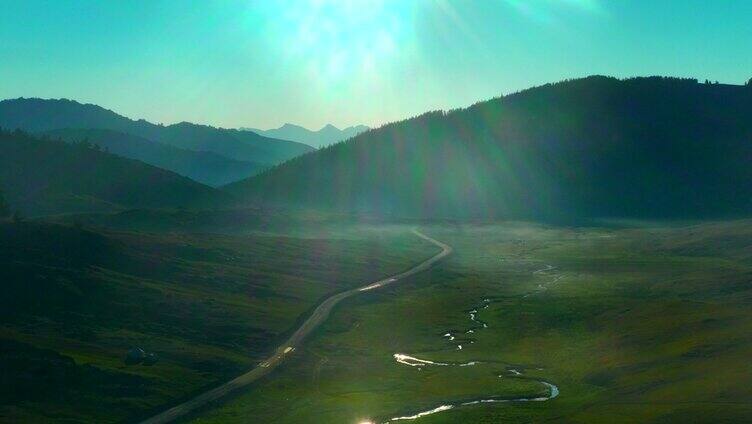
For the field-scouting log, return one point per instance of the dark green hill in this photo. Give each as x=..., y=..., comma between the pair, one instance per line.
x=594, y=147
x=41, y=177
x=39, y=115
x=73, y=301
x=205, y=167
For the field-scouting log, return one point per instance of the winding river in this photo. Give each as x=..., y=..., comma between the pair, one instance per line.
x=462, y=338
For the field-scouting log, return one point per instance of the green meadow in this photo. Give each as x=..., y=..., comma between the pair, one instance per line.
x=632, y=323
x=210, y=306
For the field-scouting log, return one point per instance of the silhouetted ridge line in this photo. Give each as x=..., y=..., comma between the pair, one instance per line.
x=593, y=147
x=233, y=154
x=42, y=177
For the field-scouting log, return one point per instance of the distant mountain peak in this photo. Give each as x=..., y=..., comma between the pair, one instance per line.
x=359, y=128
x=328, y=134
x=240, y=152
x=328, y=127
x=288, y=125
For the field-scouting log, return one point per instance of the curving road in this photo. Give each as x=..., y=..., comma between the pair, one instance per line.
x=318, y=316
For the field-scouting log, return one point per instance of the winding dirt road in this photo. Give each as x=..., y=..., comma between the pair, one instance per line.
x=318, y=316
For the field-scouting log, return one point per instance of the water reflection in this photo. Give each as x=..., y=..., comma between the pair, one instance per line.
x=477, y=324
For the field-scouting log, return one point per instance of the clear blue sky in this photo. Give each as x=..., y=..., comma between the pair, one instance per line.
x=263, y=62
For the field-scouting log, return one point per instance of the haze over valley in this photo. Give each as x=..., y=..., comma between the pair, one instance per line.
x=207, y=154
x=476, y=212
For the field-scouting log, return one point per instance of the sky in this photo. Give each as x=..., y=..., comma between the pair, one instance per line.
x=262, y=63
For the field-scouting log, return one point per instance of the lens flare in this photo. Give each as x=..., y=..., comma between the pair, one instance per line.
x=337, y=38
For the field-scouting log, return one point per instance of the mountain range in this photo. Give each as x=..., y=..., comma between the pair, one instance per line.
x=329, y=134
x=587, y=148
x=234, y=154
x=595, y=147
x=44, y=177
x=207, y=167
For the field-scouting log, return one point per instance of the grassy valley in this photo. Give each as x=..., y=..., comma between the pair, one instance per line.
x=75, y=301
x=548, y=218
x=133, y=289
x=641, y=324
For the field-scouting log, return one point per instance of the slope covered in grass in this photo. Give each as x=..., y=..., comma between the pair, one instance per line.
x=633, y=325
x=74, y=301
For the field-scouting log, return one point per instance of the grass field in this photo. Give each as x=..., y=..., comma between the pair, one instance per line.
x=632, y=324
x=74, y=301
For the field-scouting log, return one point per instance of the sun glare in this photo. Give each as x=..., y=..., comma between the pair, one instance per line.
x=545, y=12
x=337, y=38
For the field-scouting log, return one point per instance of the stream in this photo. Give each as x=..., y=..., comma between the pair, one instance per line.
x=460, y=339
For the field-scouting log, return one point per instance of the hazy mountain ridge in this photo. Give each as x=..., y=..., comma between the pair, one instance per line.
x=41, y=177
x=329, y=134
x=39, y=115
x=598, y=146
x=206, y=167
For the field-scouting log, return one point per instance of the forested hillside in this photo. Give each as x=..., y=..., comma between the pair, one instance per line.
x=205, y=167
x=41, y=177
x=594, y=147
x=41, y=115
